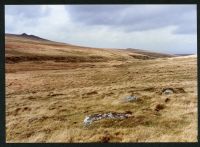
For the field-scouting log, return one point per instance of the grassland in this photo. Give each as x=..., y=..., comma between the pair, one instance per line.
x=48, y=98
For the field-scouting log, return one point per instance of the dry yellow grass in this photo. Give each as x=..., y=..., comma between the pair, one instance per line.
x=47, y=101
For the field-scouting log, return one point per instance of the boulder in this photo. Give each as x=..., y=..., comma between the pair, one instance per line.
x=168, y=91
x=110, y=115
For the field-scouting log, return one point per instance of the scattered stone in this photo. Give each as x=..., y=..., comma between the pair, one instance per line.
x=168, y=91
x=87, y=120
x=130, y=98
x=111, y=115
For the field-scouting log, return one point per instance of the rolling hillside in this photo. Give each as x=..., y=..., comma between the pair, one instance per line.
x=52, y=87
x=32, y=48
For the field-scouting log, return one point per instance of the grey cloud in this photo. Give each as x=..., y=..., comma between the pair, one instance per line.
x=23, y=15
x=136, y=17
x=123, y=25
x=186, y=29
x=27, y=11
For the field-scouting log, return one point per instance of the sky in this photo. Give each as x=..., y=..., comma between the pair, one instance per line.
x=160, y=28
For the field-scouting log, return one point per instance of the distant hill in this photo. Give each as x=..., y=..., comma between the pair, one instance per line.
x=148, y=53
x=24, y=35
x=184, y=54
x=25, y=47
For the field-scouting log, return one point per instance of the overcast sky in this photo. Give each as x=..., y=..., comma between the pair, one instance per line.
x=161, y=28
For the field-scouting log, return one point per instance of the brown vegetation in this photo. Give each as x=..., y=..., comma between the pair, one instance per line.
x=47, y=100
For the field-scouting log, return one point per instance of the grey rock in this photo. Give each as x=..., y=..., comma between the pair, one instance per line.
x=110, y=115
x=131, y=98
x=87, y=120
x=168, y=91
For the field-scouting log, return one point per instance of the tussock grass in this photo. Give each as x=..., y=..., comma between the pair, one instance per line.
x=51, y=104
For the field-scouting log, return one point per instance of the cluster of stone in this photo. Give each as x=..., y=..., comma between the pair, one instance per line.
x=111, y=115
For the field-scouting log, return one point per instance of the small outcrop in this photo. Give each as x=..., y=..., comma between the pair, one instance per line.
x=110, y=115
x=169, y=90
